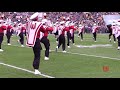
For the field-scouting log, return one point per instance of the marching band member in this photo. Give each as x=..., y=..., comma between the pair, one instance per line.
x=24, y=30
x=61, y=38
x=80, y=31
x=20, y=33
x=55, y=30
x=15, y=28
x=72, y=30
x=94, y=31
x=9, y=32
x=45, y=39
x=117, y=33
x=33, y=33
x=2, y=29
x=113, y=31
x=68, y=32
x=110, y=31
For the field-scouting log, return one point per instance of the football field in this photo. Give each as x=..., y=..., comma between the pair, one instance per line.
x=85, y=59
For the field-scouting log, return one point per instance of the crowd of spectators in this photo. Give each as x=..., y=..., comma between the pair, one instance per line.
x=86, y=18
x=79, y=17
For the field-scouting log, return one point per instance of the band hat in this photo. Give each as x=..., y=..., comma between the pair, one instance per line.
x=67, y=18
x=44, y=14
x=34, y=15
x=80, y=25
x=1, y=21
x=62, y=22
x=113, y=23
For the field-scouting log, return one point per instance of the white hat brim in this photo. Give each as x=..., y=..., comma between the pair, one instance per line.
x=34, y=15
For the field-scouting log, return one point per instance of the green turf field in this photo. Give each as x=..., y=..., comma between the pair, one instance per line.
x=83, y=62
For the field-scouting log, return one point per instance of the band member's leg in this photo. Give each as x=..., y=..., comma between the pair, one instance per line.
x=56, y=36
x=25, y=33
x=21, y=38
x=59, y=41
x=72, y=37
x=63, y=43
x=8, y=38
x=81, y=35
x=47, y=46
x=78, y=34
x=1, y=39
x=94, y=36
x=118, y=42
x=114, y=38
x=0, y=45
x=46, y=43
x=37, y=53
x=110, y=36
x=68, y=38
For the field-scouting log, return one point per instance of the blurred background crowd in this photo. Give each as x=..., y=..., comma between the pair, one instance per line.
x=86, y=18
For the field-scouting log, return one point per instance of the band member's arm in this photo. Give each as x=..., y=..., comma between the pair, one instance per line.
x=42, y=29
x=49, y=29
x=72, y=27
x=66, y=29
x=23, y=29
x=97, y=28
x=4, y=27
x=10, y=27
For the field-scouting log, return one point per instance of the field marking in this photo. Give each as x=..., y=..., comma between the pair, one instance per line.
x=68, y=53
x=94, y=56
x=91, y=55
x=94, y=46
x=44, y=74
x=77, y=53
x=22, y=68
x=25, y=70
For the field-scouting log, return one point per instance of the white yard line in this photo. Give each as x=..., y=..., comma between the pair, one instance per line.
x=22, y=68
x=25, y=70
x=90, y=55
x=58, y=51
x=79, y=54
x=94, y=56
